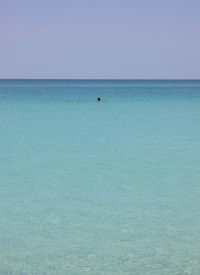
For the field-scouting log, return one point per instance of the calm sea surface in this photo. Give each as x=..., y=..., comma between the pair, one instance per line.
x=99, y=188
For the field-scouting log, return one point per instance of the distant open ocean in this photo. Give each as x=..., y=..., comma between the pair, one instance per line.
x=99, y=188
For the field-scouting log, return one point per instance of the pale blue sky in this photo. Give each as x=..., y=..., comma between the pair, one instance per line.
x=100, y=39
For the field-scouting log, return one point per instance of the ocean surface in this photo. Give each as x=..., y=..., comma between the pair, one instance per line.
x=99, y=188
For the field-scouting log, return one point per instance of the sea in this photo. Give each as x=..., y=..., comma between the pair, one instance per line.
x=99, y=188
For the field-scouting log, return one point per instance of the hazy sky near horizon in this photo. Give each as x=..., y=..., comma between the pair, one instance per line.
x=100, y=39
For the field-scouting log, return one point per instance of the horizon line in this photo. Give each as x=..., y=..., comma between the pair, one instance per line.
x=144, y=79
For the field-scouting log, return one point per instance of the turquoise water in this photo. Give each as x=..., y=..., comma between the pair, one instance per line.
x=99, y=188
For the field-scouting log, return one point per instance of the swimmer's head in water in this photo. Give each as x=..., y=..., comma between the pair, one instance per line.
x=98, y=99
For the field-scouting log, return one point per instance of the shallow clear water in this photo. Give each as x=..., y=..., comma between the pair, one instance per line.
x=99, y=188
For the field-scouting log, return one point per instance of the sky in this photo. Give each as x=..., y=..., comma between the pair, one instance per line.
x=106, y=39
